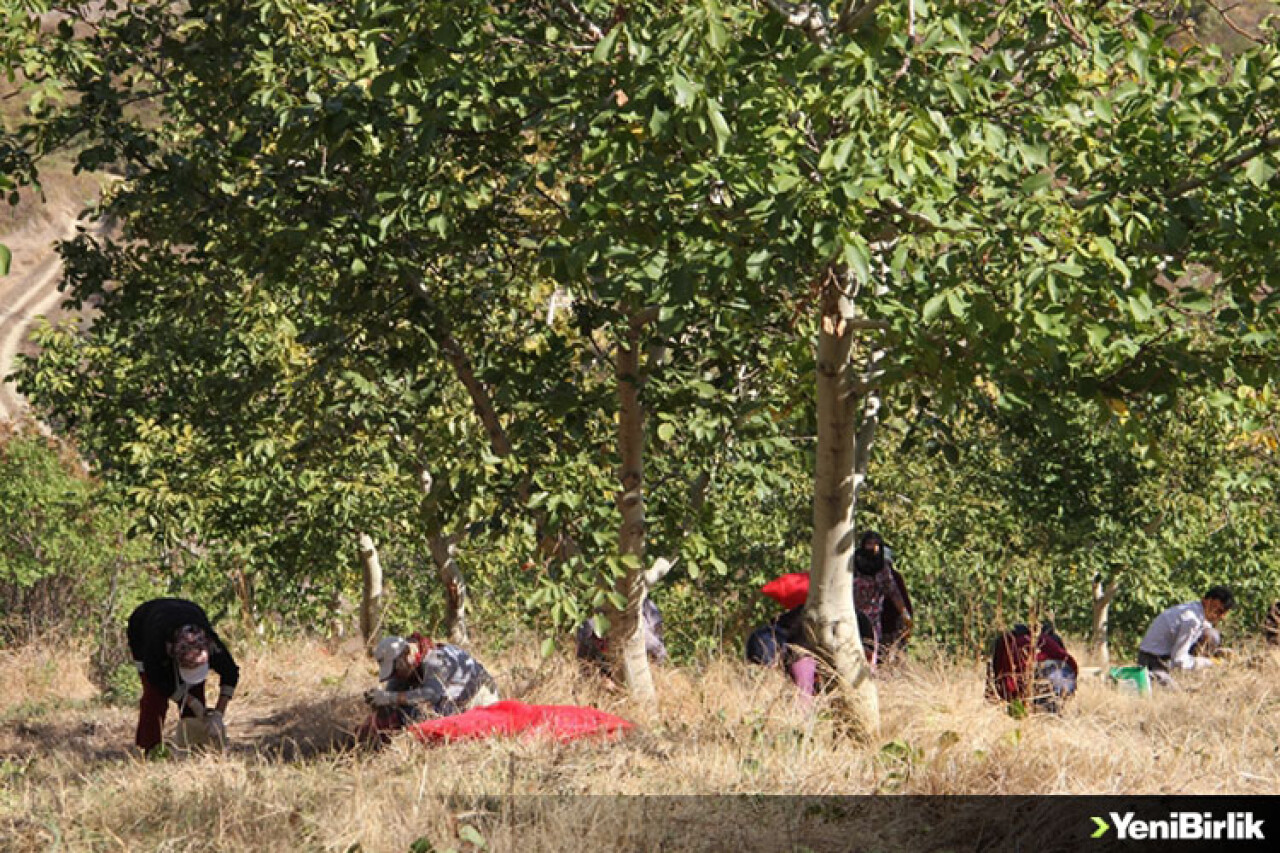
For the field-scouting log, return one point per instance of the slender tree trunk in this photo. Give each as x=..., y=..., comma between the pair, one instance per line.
x=371, y=599
x=443, y=554
x=244, y=592
x=1102, y=598
x=830, y=624
x=626, y=630
x=455, y=587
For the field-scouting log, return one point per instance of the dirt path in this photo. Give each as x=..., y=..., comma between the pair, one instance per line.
x=33, y=295
x=30, y=290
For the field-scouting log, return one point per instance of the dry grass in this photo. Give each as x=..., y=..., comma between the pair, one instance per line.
x=69, y=779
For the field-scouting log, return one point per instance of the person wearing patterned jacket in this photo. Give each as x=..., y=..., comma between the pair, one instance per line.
x=422, y=678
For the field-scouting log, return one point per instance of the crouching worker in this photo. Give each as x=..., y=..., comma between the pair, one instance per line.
x=781, y=643
x=1031, y=675
x=592, y=648
x=174, y=647
x=420, y=680
x=1175, y=635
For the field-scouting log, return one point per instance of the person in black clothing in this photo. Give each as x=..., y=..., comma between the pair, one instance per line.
x=880, y=596
x=174, y=647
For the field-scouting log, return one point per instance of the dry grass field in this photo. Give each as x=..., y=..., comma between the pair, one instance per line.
x=69, y=779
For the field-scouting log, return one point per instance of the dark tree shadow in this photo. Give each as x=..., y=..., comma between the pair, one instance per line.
x=300, y=731
x=94, y=734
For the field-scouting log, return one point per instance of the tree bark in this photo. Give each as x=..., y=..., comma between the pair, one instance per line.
x=1102, y=598
x=831, y=627
x=371, y=598
x=443, y=553
x=455, y=587
x=626, y=633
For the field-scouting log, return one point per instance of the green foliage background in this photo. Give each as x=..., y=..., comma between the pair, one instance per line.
x=340, y=220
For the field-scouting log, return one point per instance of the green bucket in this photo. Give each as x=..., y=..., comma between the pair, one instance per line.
x=1135, y=678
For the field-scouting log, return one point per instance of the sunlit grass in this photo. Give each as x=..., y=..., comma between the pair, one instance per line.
x=68, y=776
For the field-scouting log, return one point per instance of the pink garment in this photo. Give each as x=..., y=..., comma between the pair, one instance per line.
x=804, y=671
x=869, y=593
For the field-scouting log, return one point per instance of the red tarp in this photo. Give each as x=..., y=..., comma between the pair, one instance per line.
x=562, y=722
x=789, y=590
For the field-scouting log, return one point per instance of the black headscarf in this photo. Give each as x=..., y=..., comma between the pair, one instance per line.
x=866, y=561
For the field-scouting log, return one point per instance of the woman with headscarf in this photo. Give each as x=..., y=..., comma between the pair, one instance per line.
x=873, y=584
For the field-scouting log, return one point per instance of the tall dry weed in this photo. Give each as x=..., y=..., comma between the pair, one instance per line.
x=68, y=777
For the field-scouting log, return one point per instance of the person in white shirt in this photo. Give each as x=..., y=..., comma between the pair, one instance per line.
x=1169, y=642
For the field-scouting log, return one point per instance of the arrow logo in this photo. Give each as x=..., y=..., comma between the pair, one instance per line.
x=1102, y=828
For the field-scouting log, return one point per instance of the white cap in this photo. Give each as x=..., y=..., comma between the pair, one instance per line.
x=388, y=651
x=194, y=675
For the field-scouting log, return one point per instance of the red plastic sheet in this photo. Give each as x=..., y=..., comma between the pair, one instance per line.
x=789, y=590
x=507, y=718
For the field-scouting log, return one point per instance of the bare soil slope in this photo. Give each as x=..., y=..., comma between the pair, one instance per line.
x=30, y=290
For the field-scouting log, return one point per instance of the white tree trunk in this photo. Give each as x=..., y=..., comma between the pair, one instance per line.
x=626, y=628
x=1102, y=598
x=443, y=554
x=455, y=587
x=830, y=624
x=371, y=597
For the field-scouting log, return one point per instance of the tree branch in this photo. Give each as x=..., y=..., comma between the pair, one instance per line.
x=1268, y=143
x=481, y=401
x=811, y=18
x=644, y=317
x=593, y=31
x=1226, y=19
x=855, y=14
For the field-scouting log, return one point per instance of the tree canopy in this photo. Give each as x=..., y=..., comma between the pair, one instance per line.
x=610, y=275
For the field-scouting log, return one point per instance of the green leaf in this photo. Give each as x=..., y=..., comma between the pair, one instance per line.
x=1102, y=107
x=843, y=149
x=471, y=835
x=6, y=257
x=1259, y=171
x=933, y=307
x=786, y=182
x=1036, y=182
x=1138, y=58
x=858, y=256
x=719, y=125
x=1140, y=307
x=604, y=50
x=716, y=35
x=1106, y=249
x=658, y=121
x=548, y=646
x=1197, y=300
x=1098, y=335
x=686, y=91
x=666, y=431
